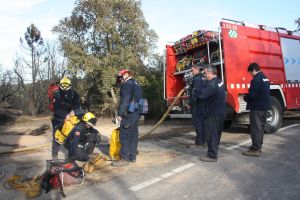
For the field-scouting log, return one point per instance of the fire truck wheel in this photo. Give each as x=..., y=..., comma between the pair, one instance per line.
x=274, y=122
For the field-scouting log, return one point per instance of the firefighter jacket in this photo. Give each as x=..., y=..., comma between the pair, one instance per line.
x=213, y=95
x=64, y=102
x=259, y=93
x=198, y=83
x=130, y=91
x=81, y=142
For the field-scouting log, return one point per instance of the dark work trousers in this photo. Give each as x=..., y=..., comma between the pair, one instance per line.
x=213, y=127
x=197, y=119
x=129, y=136
x=257, y=124
x=56, y=124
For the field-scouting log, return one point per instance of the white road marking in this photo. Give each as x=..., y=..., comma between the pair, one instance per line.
x=189, y=165
x=161, y=177
x=249, y=140
x=238, y=145
x=284, y=128
x=182, y=168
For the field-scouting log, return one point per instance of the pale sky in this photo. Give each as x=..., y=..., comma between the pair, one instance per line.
x=171, y=19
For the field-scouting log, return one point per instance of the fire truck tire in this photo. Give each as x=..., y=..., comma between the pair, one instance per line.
x=227, y=124
x=274, y=122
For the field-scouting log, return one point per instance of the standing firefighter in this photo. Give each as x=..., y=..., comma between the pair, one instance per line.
x=128, y=115
x=213, y=95
x=197, y=106
x=66, y=104
x=258, y=102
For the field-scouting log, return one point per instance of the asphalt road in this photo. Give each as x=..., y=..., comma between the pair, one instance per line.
x=168, y=167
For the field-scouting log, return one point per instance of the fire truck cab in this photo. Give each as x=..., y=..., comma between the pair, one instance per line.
x=231, y=49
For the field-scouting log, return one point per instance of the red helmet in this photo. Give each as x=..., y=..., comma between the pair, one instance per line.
x=121, y=73
x=124, y=71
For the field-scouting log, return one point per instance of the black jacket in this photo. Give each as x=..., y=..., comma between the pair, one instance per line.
x=259, y=93
x=130, y=90
x=81, y=142
x=213, y=95
x=198, y=83
x=65, y=101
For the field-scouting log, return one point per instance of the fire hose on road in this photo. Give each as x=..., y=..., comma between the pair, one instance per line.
x=165, y=115
x=32, y=189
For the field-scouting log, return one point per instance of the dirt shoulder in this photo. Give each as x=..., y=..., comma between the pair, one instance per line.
x=17, y=134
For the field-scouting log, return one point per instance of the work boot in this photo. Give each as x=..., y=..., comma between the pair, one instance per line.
x=120, y=163
x=208, y=159
x=132, y=161
x=253, y=153
x=251, y=148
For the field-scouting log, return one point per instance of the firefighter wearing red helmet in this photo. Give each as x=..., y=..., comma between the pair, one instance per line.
x=123, y=75
x=130, y=93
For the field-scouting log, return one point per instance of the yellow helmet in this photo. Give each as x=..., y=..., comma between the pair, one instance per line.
x=89, y=118
x=65, y=83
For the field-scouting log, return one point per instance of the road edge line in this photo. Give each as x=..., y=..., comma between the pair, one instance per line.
x=161, y=177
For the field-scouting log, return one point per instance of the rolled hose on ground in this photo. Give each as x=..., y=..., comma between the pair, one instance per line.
x=149, y=132
x=31, y=188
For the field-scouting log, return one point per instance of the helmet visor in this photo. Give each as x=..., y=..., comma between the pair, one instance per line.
x=65, y=86
x=92, y=122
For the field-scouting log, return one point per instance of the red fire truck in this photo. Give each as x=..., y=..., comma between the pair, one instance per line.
x=231, y=49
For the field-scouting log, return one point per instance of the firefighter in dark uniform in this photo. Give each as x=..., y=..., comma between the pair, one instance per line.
x=258, y=102
x=81, y=142
x=66, y=104
x=130, y=91
x=197, y=107
x=213, y=96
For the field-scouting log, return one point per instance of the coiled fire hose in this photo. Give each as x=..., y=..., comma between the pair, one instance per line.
x=31, y=188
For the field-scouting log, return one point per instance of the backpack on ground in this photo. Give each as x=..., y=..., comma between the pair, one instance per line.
x=52, y=89
x=61, y=173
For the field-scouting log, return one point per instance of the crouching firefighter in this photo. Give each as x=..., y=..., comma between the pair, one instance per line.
x=83, y=138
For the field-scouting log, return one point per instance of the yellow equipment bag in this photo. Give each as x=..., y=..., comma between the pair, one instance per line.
x=115, y=145
x=61, y=135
